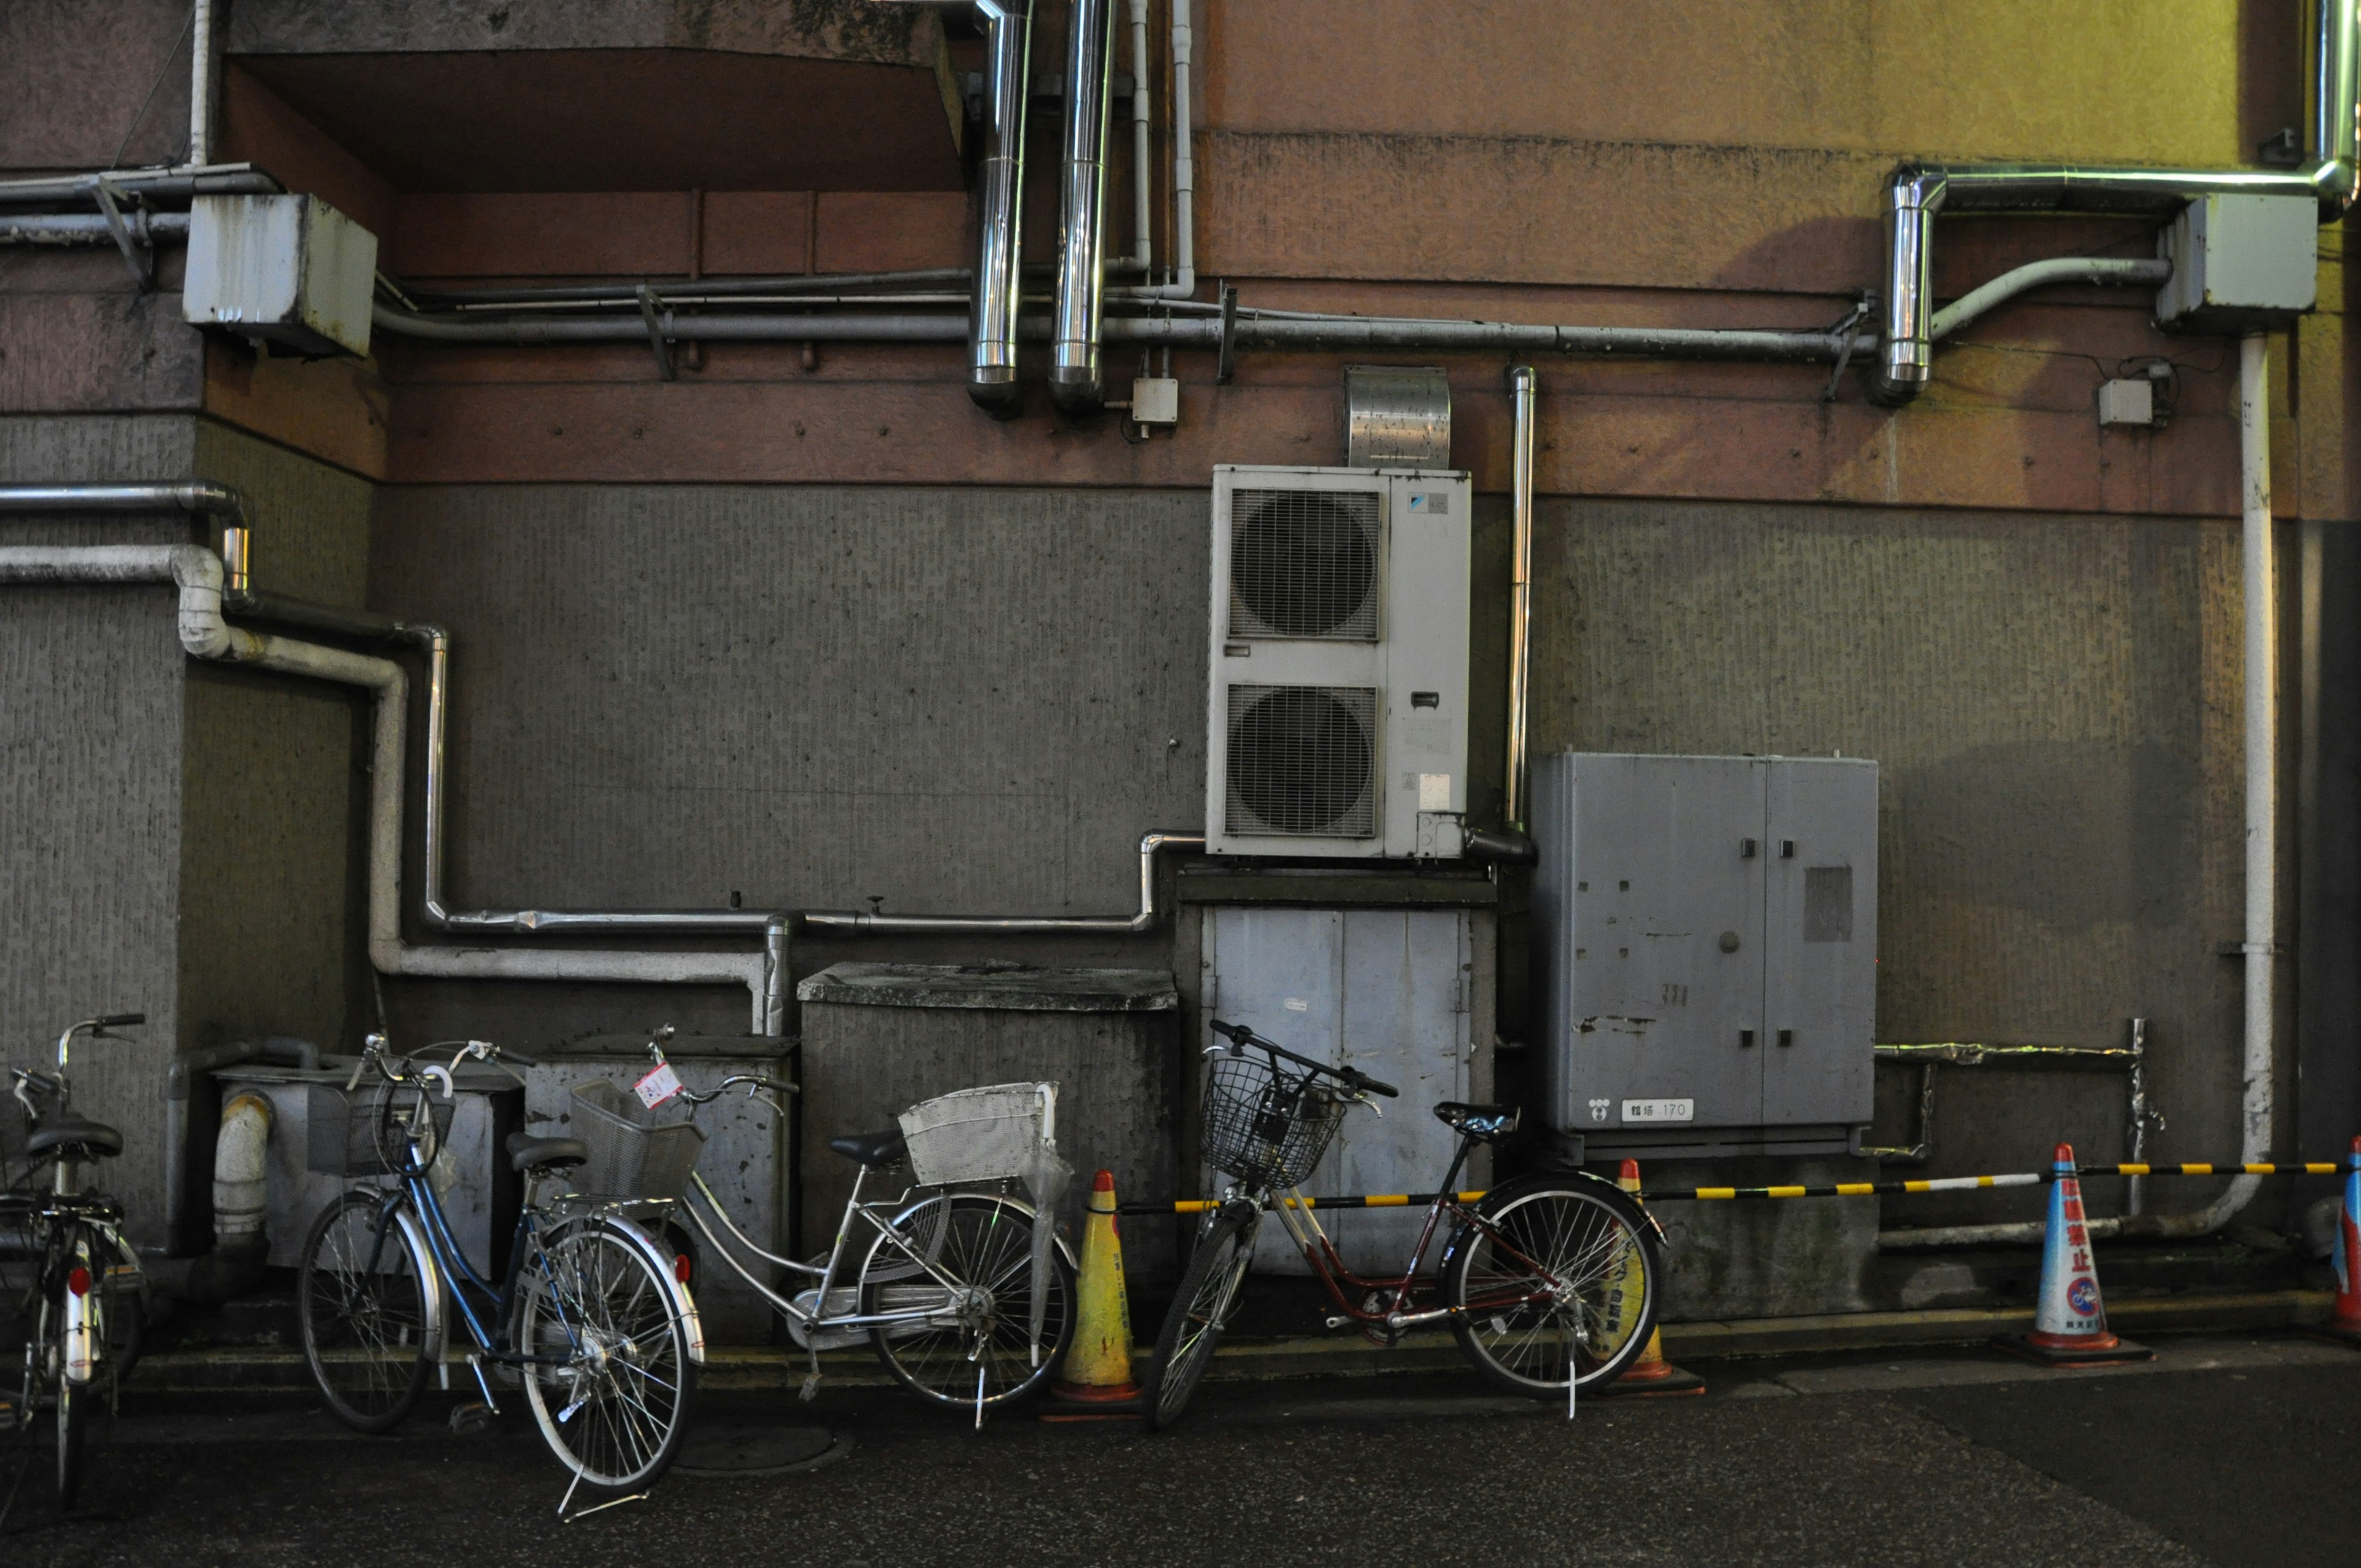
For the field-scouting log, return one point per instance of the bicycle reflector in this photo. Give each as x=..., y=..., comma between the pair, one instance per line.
x=680, y=1266
x=79, y=1281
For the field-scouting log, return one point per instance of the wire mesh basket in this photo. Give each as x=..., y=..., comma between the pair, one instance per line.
x=368, y=1130
x=633, y=1156
x=990, y=1134
x=1264, y=1125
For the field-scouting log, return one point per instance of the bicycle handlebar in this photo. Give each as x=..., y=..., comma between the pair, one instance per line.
x=1239, y=1037
x=120, y=1020
x=510, y=1053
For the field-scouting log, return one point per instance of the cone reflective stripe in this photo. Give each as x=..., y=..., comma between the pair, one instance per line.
x=1097, y=1373
x=2345, y=1319
x=1651, y=1374
x=2069, y=1314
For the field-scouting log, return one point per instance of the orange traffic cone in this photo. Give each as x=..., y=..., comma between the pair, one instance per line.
x=1096, y=1384
x=1652, y=1373
x=2344, y=1319
x=2070, y=1320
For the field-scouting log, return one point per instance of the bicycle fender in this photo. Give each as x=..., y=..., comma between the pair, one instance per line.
x=434, y=1286
x=683, y=1307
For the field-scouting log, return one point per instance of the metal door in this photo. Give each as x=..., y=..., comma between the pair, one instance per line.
x=1387, y=991
x=1820, y=931
x=1665, y=997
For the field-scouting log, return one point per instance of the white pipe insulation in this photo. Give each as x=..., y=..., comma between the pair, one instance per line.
x=240, y=1191
x=198, y=574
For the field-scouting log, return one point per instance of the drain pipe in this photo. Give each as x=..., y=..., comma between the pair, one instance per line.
x=1143, y=193
x=1525, y=387
x=201, y=83
x=1182, y=284
x=1077, y=383
x=999, y=220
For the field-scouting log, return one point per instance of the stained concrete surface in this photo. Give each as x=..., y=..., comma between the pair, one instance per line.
x=2225, y=1455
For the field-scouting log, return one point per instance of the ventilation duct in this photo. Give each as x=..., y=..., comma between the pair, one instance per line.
x=1397, y=417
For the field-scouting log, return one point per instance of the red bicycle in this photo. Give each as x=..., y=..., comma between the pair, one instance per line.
x=1548, y=1282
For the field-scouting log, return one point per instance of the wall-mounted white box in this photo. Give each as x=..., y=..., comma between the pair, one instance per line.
x=2129, y=403
x=290, y=272
x=2239, y=263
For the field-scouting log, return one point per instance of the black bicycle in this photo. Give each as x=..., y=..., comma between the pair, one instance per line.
x=83, y=1296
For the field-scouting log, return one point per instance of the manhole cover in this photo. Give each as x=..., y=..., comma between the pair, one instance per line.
x=760, y=1450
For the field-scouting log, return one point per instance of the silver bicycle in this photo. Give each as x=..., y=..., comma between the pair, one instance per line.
x=959, y=1284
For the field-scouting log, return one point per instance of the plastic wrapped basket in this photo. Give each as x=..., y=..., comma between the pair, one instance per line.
x=995, y=1132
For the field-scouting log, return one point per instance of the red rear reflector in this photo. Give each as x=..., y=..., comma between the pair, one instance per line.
x=79, y=1281
x=680, y=1268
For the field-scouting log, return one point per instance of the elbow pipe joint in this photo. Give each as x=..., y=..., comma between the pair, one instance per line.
x=1906, y=355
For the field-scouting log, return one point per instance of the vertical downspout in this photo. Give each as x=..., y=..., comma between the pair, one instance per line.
x=2337, y=106
x=1143, y=182
x=2257, y=569
x=1525, y=387
x=201, y=83
x=1000, y=217
x=1907, y=354
x=1077, y=384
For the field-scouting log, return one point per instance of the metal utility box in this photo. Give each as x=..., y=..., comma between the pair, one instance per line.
x=1705, y=950
x=746, y=1158
x=2239, y=263
x=1395, y=992
x=877, y=1039
x=287, y=270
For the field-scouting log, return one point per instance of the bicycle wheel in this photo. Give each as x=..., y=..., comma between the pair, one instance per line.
x=361, y=1303
x=612, y=1397
x=975, y=1346
x=66, y=1403
x=1202, y=1308
x=1558, y=1277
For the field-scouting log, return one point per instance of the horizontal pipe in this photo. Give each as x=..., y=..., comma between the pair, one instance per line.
x=2040, y=274
x=1144, y=920
x=150, y=185
x=715, y=287
x=182, y=495
x=89, y=228
x=1315, y=333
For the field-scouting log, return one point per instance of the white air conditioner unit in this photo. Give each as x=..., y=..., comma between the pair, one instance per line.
x=1336, y=719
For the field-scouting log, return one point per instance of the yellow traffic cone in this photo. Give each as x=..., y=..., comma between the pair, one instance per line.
x=1096, y=1382
x=1652, y=1373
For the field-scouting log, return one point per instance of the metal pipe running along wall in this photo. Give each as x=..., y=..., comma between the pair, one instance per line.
x=1916, y=193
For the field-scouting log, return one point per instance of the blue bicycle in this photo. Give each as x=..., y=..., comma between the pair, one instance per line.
x=589, y=1317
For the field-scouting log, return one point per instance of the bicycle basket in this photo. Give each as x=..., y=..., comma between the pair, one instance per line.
x=1264, y=1126
x=632, y=1156
x=990, y=1134
x=365, y=1131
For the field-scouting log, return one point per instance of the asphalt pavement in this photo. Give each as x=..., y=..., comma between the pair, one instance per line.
x=2227, y=1451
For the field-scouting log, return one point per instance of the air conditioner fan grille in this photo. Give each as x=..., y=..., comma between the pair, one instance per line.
x=1303, y=564
x=1301, y=762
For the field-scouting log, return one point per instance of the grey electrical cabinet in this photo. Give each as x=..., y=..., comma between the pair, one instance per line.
x=1705, y=949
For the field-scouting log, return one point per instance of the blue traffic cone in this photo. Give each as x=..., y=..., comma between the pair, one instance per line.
x=2070, y=1320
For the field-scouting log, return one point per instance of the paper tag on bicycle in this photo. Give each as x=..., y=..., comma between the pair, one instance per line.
x=658, y=1086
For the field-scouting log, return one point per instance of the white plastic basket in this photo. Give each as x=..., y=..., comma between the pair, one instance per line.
x=995, y=1132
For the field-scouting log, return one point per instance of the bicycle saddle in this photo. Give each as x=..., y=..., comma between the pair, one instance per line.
x=870, y=1148
x=528, y=1152
x=1489, y=1122
x=92, y=1140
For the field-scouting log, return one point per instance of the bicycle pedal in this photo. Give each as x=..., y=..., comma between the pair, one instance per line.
x=810, y=1389
x=1339, y=1321
x=468, y=1420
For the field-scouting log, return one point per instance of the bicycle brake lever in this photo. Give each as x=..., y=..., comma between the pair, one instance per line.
x=359, y=1067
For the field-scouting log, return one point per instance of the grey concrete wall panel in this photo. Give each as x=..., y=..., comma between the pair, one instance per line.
x=2054, y=702
x=90, y=841
x=1754, y=1260
x=952, y=700
x=743, y=1161
x=1820, y=978
x=1116, y=1072
x=312, y=536
x=1390, y=992
x=94, y=449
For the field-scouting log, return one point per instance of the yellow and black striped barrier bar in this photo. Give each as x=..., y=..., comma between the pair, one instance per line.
x=1829, y=1189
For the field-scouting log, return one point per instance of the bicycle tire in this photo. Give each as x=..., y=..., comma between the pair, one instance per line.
x=986, y=1244
x=1588, y=1236
x=66, y=1404
x=125, y=1310
x=364, y=1328
x=1202, y=1307
x=623, y=1403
